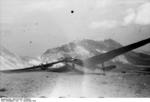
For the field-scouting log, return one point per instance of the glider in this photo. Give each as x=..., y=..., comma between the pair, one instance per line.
x=91, y=63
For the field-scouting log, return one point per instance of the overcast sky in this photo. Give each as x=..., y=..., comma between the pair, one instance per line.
x=29, y=27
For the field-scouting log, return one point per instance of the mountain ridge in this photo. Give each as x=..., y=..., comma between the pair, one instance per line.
x=9, y=60
x=78, y=49
x=87, y=48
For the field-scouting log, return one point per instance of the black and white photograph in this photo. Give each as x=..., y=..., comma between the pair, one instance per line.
x=74, y=49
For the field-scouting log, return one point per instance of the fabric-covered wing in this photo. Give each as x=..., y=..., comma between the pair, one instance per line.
x=33, y=67
x=99, y=59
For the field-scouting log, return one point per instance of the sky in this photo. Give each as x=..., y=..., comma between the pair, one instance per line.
x=30, y=27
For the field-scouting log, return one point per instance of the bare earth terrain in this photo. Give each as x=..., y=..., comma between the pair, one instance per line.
x=70, y=84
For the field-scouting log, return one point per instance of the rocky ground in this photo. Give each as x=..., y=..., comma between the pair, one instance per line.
x=71, y=84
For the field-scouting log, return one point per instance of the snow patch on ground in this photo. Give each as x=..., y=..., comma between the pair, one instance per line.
x=81, y=51
x=101, y=51
x=121, y=58
x=34, y=62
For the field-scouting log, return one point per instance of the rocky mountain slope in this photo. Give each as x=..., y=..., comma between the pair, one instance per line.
x=87, y=48
x=79, y=49
x=9, y=60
